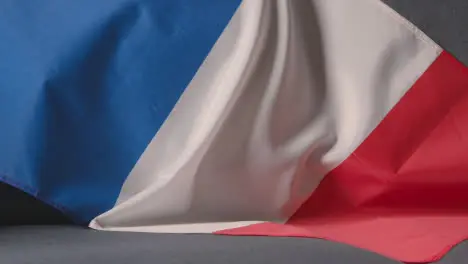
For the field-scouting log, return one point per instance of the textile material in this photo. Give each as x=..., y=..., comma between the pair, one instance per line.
x=407, y=202
x=326, y=117
x=84, y=91
x=257, y=148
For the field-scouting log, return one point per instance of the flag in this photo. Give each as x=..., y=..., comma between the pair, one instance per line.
x=330, y=119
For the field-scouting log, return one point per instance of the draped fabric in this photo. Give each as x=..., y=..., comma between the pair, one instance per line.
x=331, y=119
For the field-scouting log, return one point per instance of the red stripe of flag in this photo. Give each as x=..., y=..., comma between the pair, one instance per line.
x=404, y=192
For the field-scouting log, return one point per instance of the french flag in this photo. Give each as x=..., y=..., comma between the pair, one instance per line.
x=331, y=119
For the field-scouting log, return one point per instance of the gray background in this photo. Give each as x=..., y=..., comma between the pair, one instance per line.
x=445, y=21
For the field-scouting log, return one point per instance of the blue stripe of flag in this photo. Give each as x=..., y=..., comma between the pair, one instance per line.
x=85, y=85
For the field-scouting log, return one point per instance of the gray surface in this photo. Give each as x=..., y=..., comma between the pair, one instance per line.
x=458, y=255
x=446, y=21
x=73, y=245
x=68, y=245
